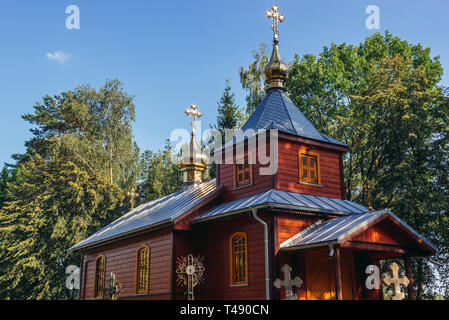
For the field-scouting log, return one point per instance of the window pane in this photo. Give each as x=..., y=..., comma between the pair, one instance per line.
x=238, y=256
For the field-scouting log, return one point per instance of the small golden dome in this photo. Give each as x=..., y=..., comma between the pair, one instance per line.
x=276, y=70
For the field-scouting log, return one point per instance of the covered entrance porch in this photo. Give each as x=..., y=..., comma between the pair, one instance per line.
x=340, y=258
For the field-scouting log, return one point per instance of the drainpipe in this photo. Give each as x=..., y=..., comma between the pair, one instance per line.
x=81, y=276
x=267, y=265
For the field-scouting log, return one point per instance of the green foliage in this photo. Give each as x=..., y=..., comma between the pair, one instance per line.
x=95, y=125
x=253, y=79
x=229, y=114
x=72, y=179
x=381, y=98
x=58, y=204
x=8, y=175
x=159, y=175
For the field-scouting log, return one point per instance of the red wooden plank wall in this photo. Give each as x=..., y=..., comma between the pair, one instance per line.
x=287, y=176
x=214, y=244
x=121, y=260
x=288, y=171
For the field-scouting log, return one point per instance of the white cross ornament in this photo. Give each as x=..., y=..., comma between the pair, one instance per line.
x=396, y=281
x=288, y=283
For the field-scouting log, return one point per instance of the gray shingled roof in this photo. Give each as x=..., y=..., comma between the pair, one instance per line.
x=165, y=209
x=335, y=230
x=277, y=111
x=285, y=199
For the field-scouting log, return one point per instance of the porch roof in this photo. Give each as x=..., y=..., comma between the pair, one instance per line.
x=335, y=231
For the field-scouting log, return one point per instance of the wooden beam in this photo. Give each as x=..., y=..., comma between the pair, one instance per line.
x=370, y=246
x=408, y=270
x=337, y=268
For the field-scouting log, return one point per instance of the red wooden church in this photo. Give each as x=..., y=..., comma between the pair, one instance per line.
x=247, y=226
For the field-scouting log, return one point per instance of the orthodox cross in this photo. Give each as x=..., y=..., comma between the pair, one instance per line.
x=132, y=195
x=288, y=283
x=277, y=17
x=396, y=281
x=113, y=288
x=190, y=272
x=194, y=113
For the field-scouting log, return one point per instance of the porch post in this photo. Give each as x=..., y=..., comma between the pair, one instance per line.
x=408, y=270
x=337, y=268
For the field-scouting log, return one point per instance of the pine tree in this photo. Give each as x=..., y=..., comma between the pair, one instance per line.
x=78, y=165
x=229, y=117
x=229, y=114
x=159, y=175
x=57, y=205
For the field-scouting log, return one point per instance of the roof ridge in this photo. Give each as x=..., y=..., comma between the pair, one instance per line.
x=288, y=113
x=268, y=97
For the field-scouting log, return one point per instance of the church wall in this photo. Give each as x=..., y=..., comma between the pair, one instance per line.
x=261, y=183
x=288, y=171
x=213, y=242
x=288, y=225
x=184, y=243
x=121, y=260
x=287, y=176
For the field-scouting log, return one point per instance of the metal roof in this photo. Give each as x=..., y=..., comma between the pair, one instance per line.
x=165, y=209
x=277, y=111
x=335, y=230
x=285, y=199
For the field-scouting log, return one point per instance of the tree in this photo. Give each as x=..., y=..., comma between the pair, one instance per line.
x=229, y=117
x=8, y=175
x=78, y=165
x=159, y=175
x=58, y=204
x=323, y=87
x=96, y=125
x=382, y=99
x=253, y=79
x=229, y=114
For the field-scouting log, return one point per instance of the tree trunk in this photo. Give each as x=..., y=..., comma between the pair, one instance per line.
x=420, y=286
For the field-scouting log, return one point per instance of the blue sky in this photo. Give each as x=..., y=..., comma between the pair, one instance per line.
x=170, y=54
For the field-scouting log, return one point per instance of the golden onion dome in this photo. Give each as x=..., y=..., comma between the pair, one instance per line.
x=276, y=71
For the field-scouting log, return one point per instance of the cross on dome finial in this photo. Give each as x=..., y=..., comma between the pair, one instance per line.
x=276, y=70
x=277, y=17
x=194, y=113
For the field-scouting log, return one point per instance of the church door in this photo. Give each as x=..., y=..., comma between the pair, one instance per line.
x=320, y=280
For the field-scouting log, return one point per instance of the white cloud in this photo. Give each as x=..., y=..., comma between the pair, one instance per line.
x=59, y=56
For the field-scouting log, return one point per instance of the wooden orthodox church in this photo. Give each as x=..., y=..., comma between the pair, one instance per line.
x=246, y=235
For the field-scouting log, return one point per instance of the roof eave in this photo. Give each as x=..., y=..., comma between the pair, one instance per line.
x=274, y=206
x=122, y=236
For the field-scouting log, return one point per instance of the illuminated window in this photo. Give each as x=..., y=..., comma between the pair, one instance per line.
x=309, y=168
x=100, y=270
x=243, y=173
x=239, y=258
x=143, y=267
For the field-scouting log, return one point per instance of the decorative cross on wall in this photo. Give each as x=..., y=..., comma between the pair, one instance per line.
x=396, y=281
x=190, y=272
x=194, y=113
x=288, y=283
x=277, y=17
x=113, y=288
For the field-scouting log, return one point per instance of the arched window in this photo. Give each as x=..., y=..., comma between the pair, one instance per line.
x=143, y=268
x=239, y=258
x=100, y=270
